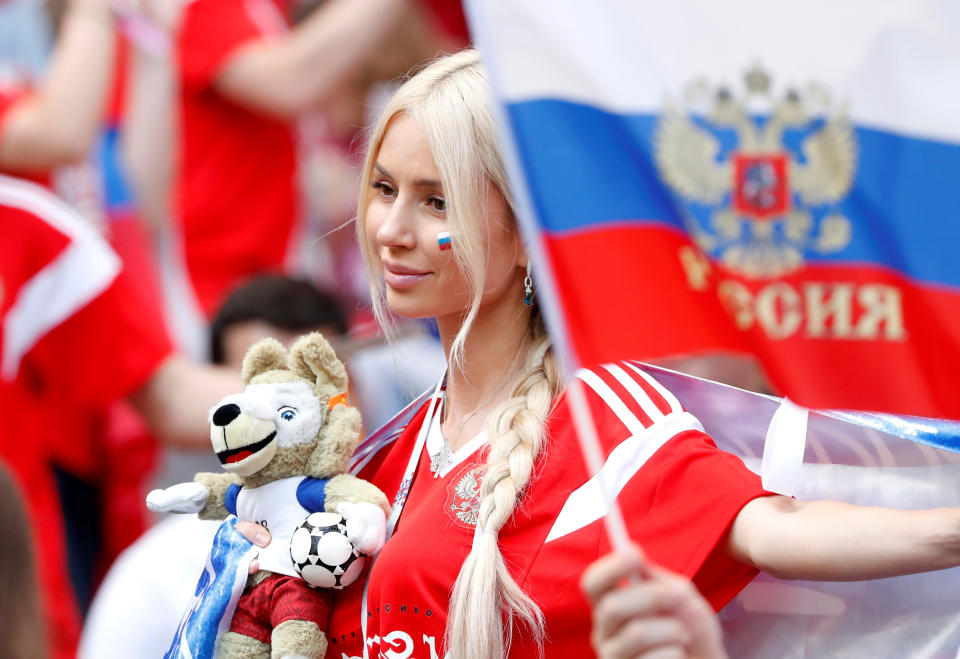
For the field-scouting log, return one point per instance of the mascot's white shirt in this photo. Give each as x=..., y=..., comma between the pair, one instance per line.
x=280, y=506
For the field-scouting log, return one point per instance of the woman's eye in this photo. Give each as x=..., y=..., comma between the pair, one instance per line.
x=384, y=188
x=438, y=204
x=287, y=413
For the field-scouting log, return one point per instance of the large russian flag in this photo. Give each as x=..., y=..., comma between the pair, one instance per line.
x=781, y=179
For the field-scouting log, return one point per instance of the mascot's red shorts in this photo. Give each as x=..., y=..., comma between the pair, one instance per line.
x=276, y=599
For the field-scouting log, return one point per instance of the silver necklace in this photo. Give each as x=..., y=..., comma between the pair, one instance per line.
x=440, y=462
x=443, y=459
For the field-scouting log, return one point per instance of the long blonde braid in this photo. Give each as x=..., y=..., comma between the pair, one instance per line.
x=485, y=591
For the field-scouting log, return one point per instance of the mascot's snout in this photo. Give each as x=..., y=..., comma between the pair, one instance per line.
x=244, y=444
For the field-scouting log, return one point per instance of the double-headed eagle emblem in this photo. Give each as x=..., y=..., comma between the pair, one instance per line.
x=466, y=503
x=759, y=178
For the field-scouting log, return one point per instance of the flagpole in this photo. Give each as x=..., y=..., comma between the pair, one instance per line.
x=546, y=289
x=547, y=296
x=593, y=456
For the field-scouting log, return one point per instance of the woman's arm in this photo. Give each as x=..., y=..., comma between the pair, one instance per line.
x=176, y=398
x=833, y=541
x=58, y=123
x=150, y=130
x=288, y=75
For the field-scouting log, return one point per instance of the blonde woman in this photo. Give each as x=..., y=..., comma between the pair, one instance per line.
x=494, y=517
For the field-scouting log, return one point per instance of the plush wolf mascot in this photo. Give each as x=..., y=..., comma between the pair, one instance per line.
x=284, y=443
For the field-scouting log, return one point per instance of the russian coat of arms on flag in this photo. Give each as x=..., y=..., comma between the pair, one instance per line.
x=759, y=178
x=765, y=178
x=747, y=178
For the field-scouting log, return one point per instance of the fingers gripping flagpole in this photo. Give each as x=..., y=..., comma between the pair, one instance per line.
x=549, y=300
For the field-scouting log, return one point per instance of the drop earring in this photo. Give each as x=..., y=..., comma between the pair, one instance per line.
x=528, y=288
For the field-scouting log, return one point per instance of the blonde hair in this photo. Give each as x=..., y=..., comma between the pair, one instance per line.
x=462, y=138
x=450, y=100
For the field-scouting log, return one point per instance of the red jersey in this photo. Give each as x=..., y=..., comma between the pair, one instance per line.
x=70, y=340
x=236, y=192
x=8, y=96
x=678, y=492
x=448, y=16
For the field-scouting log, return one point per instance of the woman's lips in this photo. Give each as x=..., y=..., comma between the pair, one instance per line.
x=399, y=277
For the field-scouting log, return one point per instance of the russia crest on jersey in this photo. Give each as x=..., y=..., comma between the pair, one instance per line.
x=744, y=176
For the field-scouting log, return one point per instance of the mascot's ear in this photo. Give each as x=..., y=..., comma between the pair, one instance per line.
x=312, y=358
x=264, y=355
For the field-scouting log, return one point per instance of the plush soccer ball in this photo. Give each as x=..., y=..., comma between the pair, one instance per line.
x=322, y=553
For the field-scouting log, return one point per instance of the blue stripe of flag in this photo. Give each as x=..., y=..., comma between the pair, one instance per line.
x=587, y=168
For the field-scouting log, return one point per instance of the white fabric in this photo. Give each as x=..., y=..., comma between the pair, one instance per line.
x=274, y=506
x=628, y=418
x=917, y=616
x=917, y=44
x=668, y=396
x=366, y=525
x=783, y=449
x=138, y=606
x=185, y=319
x=648, y=406
x=180, y=498
x=84, y=269
x=587, y=503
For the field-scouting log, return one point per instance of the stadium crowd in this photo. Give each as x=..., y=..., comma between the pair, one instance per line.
x=167, y=168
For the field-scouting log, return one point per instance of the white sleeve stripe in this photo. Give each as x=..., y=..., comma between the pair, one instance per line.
x=64, y=286
x=587, y=503
x=635, y=390
x=629, y=419
x=42, y=204
x=668, y=396
x=79, y=273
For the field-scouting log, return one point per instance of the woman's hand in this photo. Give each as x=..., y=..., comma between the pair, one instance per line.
x=641, y=610
x=256, y=534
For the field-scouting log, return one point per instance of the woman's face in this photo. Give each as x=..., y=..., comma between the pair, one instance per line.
x=406, y=210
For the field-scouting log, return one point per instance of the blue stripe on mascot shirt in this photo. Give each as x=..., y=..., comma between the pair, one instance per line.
x=219, y=588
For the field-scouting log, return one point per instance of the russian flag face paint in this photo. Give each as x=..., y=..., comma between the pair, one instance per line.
x=443, y=240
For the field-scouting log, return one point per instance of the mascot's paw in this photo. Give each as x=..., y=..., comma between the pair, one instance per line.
x=180, y=498
x=366, y=525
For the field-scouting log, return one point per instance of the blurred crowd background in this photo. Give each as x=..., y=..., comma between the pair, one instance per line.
x=215, y=145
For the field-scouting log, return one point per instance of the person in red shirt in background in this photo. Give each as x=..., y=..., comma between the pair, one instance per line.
x=73, y=341
x=75, y=337
x=57, y=123
x=245, y=77
x=39, y=130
